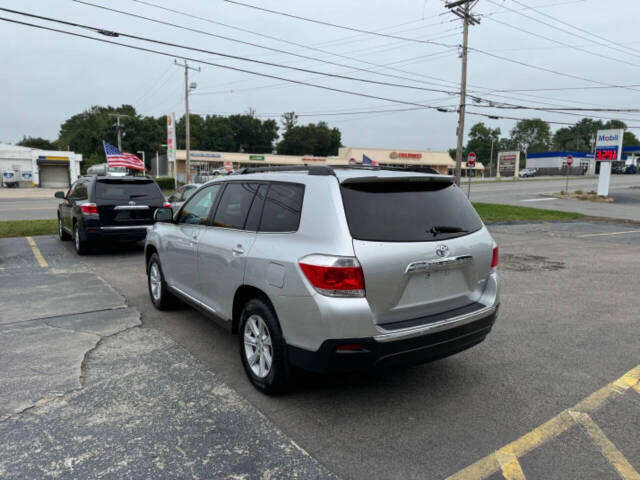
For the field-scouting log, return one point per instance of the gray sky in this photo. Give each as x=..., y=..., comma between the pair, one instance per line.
x=46, y=77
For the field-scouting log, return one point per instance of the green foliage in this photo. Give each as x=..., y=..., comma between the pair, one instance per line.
x=289, y=120
x=490, y=212
x=580, y=136
x=312, y=139
x=166, y=183
x=480, y=138
x=531, y=135
x=28, y=228
x=38, y=142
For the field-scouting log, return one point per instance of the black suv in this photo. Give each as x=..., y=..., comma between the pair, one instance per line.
x=108, y=208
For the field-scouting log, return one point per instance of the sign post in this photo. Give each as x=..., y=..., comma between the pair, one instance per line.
x=608, y=149
x=171, y=146
x=569, y=163
x=471, y=163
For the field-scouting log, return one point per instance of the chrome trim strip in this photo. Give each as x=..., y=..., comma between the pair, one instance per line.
x=193, y=299
x=132, y=227
x=131, y=207
x=434, y=327
x=439, y=264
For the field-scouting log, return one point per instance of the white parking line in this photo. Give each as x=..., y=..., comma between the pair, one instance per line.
x=607, y=234
x=538, y=199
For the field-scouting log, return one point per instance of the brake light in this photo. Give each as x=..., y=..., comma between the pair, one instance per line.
x=494, y=258
x=334, y=276
x=166, y=205
x=89, y=209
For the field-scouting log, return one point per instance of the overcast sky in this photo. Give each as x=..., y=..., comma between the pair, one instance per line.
x=46, y=77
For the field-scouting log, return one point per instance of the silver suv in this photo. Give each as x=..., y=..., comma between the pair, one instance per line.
x=329, y=269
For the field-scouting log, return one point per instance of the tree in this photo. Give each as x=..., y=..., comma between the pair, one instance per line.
x=289, y=120
x=38, y=142
x=581, y=135
x=531, y=135
x=312, y=139
x=480, y=139
x=253, y=135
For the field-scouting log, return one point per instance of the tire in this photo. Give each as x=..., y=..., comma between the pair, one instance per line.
x=260, y=332
x=81, y=246
x=159, y=294
x=62, y=234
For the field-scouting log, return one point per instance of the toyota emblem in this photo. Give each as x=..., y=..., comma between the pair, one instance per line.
x=442, y=250
x=132, y=202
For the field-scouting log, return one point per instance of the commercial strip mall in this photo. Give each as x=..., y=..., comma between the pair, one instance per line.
x=204, y=163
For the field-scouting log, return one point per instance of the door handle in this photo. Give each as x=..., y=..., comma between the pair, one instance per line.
x=237, y=250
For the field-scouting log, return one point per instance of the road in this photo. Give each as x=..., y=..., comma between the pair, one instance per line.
x=553, y=367
x=28, y=204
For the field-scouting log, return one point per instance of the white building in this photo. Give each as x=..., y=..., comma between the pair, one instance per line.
x=40, y=168
x=558, y=160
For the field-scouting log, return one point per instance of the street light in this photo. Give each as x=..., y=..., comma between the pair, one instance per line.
x=143, y=160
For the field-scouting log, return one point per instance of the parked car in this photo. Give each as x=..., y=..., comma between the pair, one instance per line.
x=108, y=208
x=527, y=172
x=177, y=198
x=328, y=269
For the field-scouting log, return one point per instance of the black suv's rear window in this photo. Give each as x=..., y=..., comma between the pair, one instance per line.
x=408, y=211
x=139, y=191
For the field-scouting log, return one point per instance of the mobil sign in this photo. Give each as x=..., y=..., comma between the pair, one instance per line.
x=609, y=145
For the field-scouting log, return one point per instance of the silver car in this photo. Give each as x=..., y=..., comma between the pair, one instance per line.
x=330, y=269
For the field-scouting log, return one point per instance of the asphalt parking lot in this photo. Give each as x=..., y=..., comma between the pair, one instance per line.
x=552, y=393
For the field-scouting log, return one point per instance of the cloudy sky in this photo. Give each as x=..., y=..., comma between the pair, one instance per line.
x=45, y=77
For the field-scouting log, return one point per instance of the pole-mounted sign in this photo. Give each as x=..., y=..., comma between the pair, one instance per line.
x=608, y=149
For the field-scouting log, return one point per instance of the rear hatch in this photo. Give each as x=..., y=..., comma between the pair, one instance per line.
x=126, y=202
x=422, y=247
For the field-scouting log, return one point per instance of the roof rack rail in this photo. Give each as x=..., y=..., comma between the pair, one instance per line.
x=330, y=169
x=417, y=169
x=311, y=169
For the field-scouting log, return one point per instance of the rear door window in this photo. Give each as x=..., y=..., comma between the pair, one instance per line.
x=234, y=205
x=282, y=208
x=141, y=192
x=408, y=211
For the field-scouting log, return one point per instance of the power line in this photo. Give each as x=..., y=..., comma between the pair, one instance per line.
x=228, y=67
x=271, y=37
x=591, y=34
x=335, y=25
x=113, y=33
x=548, y=70
x=231, y=39
x=574, y=47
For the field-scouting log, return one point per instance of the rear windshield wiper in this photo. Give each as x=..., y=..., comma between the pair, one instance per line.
x=439, y=229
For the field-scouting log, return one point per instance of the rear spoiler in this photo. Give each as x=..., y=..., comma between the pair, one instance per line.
x=445, y=179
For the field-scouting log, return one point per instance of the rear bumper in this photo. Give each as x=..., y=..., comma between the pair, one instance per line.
x=375, y=352
x=122, y=234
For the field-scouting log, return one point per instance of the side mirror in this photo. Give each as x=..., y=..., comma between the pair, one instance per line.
x=59, y=195
x=164, y=215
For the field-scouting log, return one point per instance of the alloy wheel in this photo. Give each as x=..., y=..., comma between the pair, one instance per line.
x=155, y=281
x=258, y=347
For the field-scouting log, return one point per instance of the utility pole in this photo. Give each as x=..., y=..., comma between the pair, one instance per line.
x=119, y=128
x=461, y=8
x=187, y=87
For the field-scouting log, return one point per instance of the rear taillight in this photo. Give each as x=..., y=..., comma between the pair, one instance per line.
x=494, y=258
x=89, y=209
x=334, y=276
x=166, y=205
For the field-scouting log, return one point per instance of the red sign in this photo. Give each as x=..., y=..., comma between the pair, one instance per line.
x=471, y=160
x=569, y=160
x=228, y=166
x=395, y=155
x=607, y=154
x=313, y=159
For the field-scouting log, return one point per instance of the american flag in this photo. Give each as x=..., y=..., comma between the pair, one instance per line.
x=116, y=158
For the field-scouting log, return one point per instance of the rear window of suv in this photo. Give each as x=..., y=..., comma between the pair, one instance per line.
x=407, y=211
x=139, y=191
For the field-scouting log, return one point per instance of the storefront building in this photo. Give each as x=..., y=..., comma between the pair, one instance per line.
x=40, y=168
x=205, y=163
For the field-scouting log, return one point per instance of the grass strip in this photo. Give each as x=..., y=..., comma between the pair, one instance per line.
x=490, y=212
x=28, y=228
